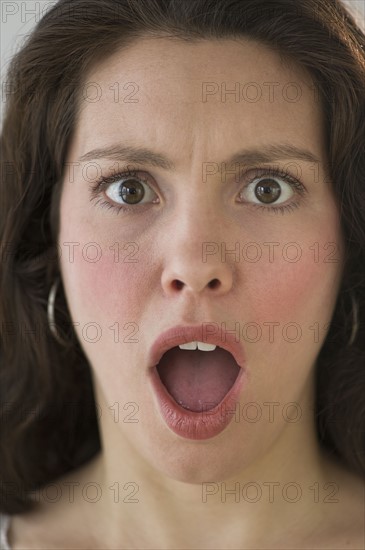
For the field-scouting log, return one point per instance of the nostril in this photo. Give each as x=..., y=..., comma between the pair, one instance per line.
x=214, y=283
x=178, y=284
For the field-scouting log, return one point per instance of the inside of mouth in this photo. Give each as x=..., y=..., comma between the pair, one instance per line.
x=198, y=380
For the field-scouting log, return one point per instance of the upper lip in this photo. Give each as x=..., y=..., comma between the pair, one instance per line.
x=202, y=333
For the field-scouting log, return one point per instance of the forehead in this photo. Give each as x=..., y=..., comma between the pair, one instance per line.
x=182, y=94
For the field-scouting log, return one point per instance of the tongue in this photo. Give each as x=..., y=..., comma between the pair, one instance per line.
x=198, y=380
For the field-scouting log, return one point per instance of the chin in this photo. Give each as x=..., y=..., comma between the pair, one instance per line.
x=197, y=462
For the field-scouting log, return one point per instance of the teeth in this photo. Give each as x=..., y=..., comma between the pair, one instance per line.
x=202, y=346
x=189, y=345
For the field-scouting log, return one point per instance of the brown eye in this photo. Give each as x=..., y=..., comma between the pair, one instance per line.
x=267, y=191
x=271, y=189
x=132, y=191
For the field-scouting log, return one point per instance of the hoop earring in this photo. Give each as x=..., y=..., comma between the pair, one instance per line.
x=51, y=315
x=355, y=320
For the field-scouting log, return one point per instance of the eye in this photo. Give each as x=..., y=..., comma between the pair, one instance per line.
x=129, y=190
x=126, y=191
x=271, y=187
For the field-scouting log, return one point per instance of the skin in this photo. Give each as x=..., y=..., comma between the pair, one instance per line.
x=169, y=471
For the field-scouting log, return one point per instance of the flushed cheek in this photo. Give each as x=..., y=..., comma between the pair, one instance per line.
x=292, y=291
x=299, y=280
x=301, y=265
x=282, y=308
x=291, y=303
x=109, y=290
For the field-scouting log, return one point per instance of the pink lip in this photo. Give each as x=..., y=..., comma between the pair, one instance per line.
x=207, y=423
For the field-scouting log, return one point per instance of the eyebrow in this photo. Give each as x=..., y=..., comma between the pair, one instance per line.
x=142, y=155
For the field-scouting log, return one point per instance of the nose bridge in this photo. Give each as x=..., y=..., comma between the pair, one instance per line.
x=200, y=201
x=199, y=218
x=193, y=262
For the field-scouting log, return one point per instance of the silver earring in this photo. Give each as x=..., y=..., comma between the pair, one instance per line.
x=50, y=312
x=355, y=320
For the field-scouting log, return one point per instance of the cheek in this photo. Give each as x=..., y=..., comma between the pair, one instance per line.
x=286, y=291
x=298, y=280
x=290, y=305
x=109, y=289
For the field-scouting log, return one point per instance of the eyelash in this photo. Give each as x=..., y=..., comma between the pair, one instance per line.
x=103, y=183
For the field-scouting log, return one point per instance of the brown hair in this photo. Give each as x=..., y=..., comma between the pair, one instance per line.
x=48, y=413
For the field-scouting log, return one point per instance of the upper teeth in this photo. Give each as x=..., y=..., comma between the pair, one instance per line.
x=202, y=346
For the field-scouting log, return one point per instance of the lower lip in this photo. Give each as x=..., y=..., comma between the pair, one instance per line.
x=197, y=425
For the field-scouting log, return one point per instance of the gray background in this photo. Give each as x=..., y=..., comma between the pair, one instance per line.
x=18, y=17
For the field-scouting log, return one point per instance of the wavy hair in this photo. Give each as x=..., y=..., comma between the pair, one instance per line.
x=48, y=412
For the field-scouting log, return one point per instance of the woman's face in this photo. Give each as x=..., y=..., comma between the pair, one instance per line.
x=271, y=241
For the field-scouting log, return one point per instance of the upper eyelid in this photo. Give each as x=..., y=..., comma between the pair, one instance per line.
x=256, y=172
x=104, y=182
x=284, y=175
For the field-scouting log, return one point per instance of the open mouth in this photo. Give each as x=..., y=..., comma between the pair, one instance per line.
x=198, y=380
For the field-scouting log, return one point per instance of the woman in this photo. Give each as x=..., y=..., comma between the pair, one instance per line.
x=189, y=174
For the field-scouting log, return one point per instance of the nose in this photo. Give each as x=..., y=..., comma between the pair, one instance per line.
x=194, y=263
